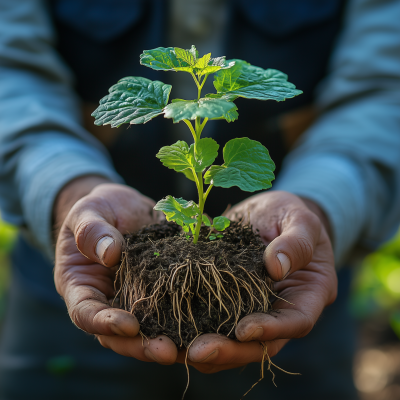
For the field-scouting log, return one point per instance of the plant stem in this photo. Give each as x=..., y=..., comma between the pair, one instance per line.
x=196, y=132
x=189, y=124
x=206, y=193
x=201, y=207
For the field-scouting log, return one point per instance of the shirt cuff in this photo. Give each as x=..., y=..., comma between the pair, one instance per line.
x=45, y=171
x=335, y=184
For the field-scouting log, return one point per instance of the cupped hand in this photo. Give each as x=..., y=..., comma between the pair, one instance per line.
x=299, y=259
x=89, y=246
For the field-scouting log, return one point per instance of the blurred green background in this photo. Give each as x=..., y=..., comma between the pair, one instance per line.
x=7, y=237
x=376, y=285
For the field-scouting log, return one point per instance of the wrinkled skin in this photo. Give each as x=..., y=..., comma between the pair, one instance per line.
x=84, y=273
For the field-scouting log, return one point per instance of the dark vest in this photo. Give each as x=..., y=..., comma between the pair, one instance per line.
x=101, y=41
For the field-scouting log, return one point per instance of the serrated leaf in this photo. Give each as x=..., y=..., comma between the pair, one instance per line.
x=133, y=99
x=203, y=108
x=221, y=223
x=177, y=156
x=246, y=80
x=247, y=165
x=202, y=62
x=187, y=56
x=178, y=210
x=162, y=59
x=209, y=175
x=206, y=151
x=205, y=220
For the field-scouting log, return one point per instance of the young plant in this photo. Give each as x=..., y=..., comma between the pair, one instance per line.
x=247, y=163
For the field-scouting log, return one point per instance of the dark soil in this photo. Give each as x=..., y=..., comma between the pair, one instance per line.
x=181, y=289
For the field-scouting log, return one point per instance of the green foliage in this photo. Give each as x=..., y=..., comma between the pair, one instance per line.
x=178, y=210
x=247, y=163
x=376, y=285
x=8, y=236
x=176, y=59
x=203, y=108
x=206, y=151
x=250, y=82
x=134, y=100
x=177, y=156
x=221, y=223
x=180, y=156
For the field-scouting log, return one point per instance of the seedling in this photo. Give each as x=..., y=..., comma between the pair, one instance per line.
x=247, y=163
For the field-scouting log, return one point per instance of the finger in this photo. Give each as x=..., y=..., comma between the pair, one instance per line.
x=294, y=247
x=90, y=311
x=161, y=349
x=284, y=324
x=220, y=350
x=303, y=296
x=96, y=237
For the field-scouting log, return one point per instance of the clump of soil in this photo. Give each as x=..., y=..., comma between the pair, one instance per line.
x=181, y=289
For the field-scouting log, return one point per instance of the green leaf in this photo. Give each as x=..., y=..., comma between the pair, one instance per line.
x=221, y=223
x=178, y=156
x=214, y=65
x=209, y=175
x=178, y=210
x=163, y=59
x=203, y=108
x=247, y=165
x=189, y=174
x=212, y=237
x=156, y=254
x=206, y=151
x=206, y=221
x=202, y=62
x=133, y=99
x=246, y=80
x=219, y=236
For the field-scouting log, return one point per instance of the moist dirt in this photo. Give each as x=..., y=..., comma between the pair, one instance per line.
x=182, y=290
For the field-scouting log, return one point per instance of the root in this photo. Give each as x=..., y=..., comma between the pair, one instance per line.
x=270, y=363
x=186, y=365
x=172, y=291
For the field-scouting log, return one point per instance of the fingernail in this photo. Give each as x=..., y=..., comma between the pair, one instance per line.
x=257, y=333
x=102, y=246
x=150, y=355
x=285, y=264
x=211, y=357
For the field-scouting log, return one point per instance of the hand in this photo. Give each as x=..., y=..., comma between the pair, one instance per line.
x=89, y=245
x=299, y=259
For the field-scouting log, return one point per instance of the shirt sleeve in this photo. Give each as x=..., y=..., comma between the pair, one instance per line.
x=42, y=143
x=348, y=162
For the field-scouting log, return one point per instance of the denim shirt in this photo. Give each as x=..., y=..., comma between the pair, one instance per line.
x=347, y=161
